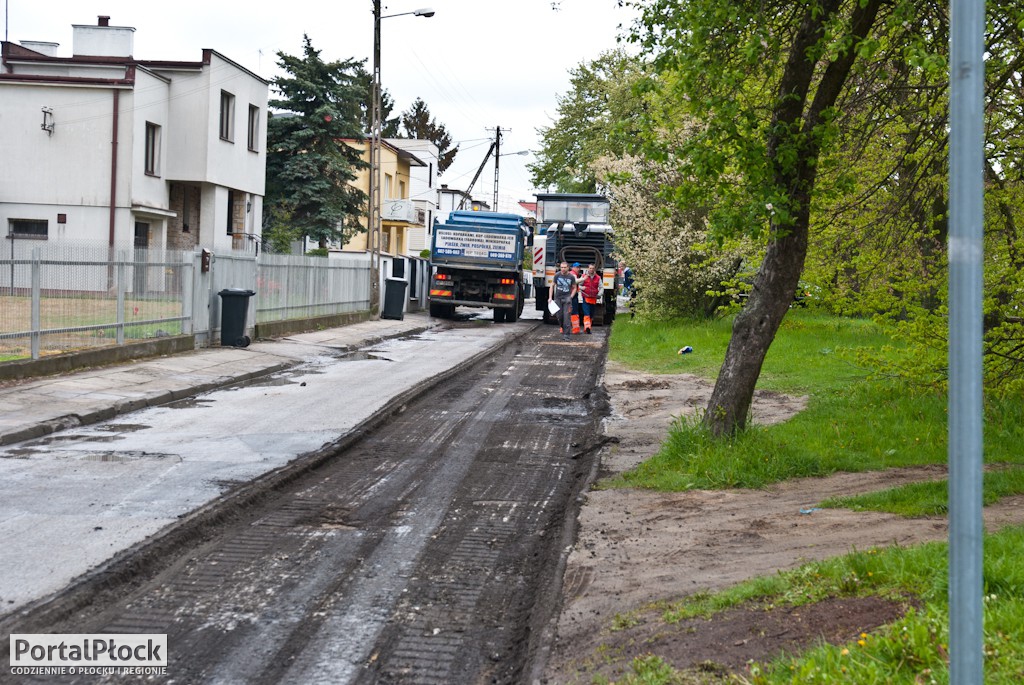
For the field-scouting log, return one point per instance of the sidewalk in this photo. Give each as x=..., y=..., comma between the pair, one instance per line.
x=32, y=409
x=74, y=505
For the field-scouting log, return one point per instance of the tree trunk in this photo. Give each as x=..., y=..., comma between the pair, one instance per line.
x=754, y=330
x=777, y=279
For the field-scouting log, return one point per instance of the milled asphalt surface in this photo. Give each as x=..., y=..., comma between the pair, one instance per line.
x=50, y=533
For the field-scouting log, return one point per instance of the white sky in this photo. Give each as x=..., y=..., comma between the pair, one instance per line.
x=477, y=64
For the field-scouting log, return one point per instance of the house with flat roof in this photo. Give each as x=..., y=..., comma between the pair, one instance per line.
x=100, y=146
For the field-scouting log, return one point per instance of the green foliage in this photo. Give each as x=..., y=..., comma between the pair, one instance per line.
x=418, y=124
x=815, y=354
x=309, y=168
x=930, y=498
x=912, y=649
x=599, y=117
x=917, y=644
x=677, y=268
x=877, y=211
x=317, y=252
x=389, y=125
x=278, y=231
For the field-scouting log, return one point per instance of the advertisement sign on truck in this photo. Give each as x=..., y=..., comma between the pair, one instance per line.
x=476, y=244
x=476, y=259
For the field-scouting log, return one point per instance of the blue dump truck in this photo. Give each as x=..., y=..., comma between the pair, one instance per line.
x=477, y=261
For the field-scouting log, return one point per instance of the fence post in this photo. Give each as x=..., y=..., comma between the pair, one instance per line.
x=188, y=261
x=36, y=301
x=121, y=285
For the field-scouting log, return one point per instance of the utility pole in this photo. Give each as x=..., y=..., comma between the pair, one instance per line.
x=374, y=227
x=497, y=161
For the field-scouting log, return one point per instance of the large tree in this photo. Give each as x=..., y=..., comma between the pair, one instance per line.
x=420, y=125
x=764, y=77
x=310, y=168
x=823, y=127
x=600, y=116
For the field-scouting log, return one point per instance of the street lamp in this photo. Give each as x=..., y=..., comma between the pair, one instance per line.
x=374, y=226
x=496, y=158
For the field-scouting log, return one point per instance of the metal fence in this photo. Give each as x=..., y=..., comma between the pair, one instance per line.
x=62, y=297
x=290, y=287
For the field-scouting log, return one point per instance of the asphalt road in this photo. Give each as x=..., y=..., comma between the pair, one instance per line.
x=427, y=551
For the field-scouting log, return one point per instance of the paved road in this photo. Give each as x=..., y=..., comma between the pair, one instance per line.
x=72, y=499
x=424, y=552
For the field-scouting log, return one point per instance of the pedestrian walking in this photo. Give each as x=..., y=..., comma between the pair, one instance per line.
x=626, y=275
x=576, y=299
x=563, y=292
x=590, y=290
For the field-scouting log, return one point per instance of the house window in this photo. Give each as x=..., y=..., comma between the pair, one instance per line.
x=227, y=116
x=29, y=228
x=430, y=176
x=152, y=149
x=254, y=127
x=387, y=187
x=401, y=190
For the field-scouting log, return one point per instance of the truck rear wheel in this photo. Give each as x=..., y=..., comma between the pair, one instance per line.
x=440, y=310
x=610, y=305
x=512, y=315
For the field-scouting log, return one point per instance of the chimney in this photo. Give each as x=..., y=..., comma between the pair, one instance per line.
x=43, y=47
x=102, y=40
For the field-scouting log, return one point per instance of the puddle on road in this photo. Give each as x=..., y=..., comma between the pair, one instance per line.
x=271, y=382
x=362, y=355
x=70, y=437
x=118, y=457
x=189, y=403
x=121, y=427
x=121, y=457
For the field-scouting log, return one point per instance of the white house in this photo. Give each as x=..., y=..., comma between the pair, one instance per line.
x=450, y=199
x=422, y=191
x=100, y=146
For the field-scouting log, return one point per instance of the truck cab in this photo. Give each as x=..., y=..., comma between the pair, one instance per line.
x=573, y=227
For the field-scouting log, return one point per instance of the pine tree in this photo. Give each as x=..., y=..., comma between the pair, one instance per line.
x=310, y=168
x=419, y=125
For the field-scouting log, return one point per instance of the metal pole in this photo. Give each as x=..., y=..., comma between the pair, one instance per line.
x=497, y=161
x=966, y=114
x=375, y=167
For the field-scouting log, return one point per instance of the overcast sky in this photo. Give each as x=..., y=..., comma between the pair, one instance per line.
x=478, y=64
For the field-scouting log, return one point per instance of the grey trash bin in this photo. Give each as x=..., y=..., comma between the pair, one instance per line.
x=234, y=309
x=394, y=298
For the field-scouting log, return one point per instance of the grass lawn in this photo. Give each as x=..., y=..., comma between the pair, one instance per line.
x=854, y=422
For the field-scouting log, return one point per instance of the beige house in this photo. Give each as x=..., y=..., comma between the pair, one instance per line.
x=399, y=213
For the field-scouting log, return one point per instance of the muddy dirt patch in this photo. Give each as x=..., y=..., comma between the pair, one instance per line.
x=636, y=547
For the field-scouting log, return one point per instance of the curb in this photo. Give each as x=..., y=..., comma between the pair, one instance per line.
x=67, y=421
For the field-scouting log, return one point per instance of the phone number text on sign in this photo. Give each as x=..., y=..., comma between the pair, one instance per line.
x=465, y=244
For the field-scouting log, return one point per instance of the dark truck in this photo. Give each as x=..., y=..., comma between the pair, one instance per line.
x=477, y=261
x=573, y=227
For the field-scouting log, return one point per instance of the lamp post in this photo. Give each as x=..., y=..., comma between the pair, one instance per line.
x=496, y=158
x=374, y=223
